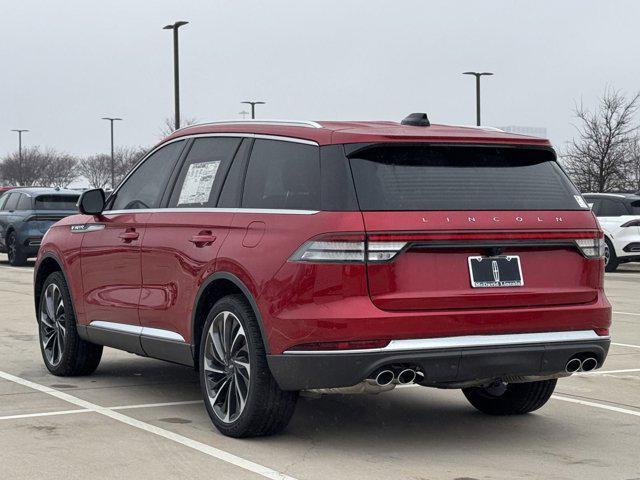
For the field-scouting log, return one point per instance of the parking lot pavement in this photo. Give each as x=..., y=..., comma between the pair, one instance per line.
x=138, y=418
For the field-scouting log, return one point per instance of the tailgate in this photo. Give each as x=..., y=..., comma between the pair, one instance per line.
x=431, y=270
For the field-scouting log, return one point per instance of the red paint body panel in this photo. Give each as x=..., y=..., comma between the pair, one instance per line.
x=174, y=267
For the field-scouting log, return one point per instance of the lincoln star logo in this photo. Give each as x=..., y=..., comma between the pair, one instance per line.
x=496, y=271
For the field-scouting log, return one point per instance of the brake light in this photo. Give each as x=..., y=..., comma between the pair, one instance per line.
x=631, y=223
x=591, y=247
x=346, y=249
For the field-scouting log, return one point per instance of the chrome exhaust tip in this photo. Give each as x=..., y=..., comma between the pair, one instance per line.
x=573, y=365
x=589, y=364
x=384, y=378
x=408, y=375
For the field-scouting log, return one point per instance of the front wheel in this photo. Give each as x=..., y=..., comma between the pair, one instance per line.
x=502, y=398
x=241, y=396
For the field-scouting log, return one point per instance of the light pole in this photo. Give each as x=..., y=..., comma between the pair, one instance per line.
x=20, y=132
x=477, y=75
x=244, y=114
x=113, y=169
x=176, y=67
x=253, y=107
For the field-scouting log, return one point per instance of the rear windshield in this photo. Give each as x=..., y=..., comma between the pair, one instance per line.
x=460, y=178
x=56, y=202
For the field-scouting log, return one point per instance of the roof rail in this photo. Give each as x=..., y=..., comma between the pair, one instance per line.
x=290, y=123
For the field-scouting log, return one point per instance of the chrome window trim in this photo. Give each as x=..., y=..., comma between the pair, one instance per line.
x=269, y=211
x=204, y=135
x=467, y=341
x=138, y=330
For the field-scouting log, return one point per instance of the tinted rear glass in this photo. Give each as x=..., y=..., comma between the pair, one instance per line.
x=635, y=207
x=460, y=178
x=56, y=202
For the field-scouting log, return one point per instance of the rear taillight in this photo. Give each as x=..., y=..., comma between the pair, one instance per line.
x=379, y=248
x=332, y=249
x=346, y=249
x=591, y=247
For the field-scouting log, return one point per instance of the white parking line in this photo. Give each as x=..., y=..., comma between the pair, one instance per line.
x=182, y=440
x=626, y=313
x=43, y=414
x=84, y=410
x=628, y=345
x=597, y=405
x=604, y=372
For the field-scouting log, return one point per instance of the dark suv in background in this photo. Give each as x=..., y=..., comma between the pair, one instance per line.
x=25, y=216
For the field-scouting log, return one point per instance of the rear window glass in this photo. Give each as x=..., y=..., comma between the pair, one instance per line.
x=56, y=202
x=635, y=207
x=460, y=178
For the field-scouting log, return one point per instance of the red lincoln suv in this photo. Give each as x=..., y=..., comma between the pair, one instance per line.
x=279, y=256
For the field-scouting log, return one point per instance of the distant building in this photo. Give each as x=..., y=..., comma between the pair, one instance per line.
x=531, y=131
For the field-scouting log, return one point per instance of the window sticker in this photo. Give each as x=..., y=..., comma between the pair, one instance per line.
x=581, y=201
x=197, y=184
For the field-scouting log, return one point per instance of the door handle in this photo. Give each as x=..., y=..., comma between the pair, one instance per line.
x=203, y=239
x=129, y=236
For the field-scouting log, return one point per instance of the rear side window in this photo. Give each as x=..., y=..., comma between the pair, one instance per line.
x=56, y=202
x=635, y=207
x=24, y=203
x=3, y=200
x=202, y=172
x=460, y=178
x=611, y=208
x=283, y=175
x=144, y=188
x=12, y=201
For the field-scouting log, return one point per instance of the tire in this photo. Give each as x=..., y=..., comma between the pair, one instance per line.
x=511, y=398
x=610, y=257
x=223, y=374
x=16, y=256
x=64, y=353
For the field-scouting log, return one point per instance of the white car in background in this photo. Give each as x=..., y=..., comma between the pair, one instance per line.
x=619, y=216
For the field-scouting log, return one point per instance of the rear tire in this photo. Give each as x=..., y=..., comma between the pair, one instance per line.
x=510, y=398
x=241, y=396
x=64, y=353
x=610, y=258
x=16, y=256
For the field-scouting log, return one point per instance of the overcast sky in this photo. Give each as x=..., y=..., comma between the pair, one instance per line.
x=67, y=63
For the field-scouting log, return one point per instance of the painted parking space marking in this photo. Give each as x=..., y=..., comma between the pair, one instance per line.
x=147, y=427
x=626, y=313
x=628, y=345
x=602, y=406
x=84, y=410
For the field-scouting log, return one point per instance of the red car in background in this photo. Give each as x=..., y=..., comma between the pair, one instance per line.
x=333, y=256
x=4, y=189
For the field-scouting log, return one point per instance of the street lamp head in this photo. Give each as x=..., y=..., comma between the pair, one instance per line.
x=477, y=74
x=176, y=25
x=112, y=119
x=248, y=102
x=19, y=130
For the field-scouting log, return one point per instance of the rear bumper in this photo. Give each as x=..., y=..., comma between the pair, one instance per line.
x=451, y=360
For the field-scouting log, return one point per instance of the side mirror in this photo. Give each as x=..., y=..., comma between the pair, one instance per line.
x=91, y=202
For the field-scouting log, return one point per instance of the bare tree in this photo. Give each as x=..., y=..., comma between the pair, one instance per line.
x=634, y=165
x=168, y=125
x=23, y=172
x=96, y=169
x=598, y=159
x=60, y=169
